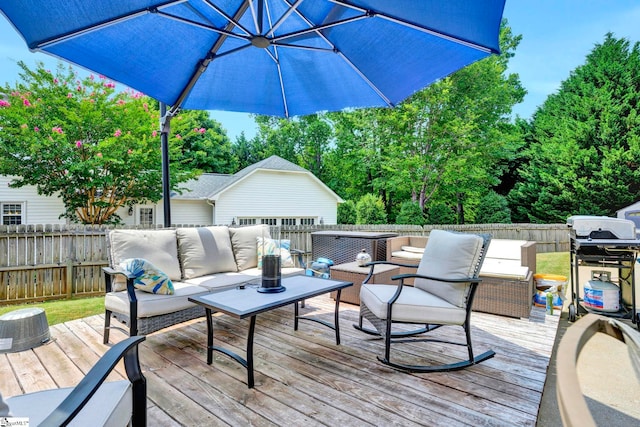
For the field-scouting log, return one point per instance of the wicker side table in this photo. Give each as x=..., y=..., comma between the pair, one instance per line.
x=352, y=272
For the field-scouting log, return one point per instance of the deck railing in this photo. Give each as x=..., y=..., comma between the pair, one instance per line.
x=45, y=262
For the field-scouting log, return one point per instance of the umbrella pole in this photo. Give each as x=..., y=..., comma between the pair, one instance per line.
x=165, y=128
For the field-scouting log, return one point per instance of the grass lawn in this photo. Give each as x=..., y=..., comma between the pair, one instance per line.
x=64, y=310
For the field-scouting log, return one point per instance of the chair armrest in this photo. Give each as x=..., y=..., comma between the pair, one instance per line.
x=374, y=263
x=573, y=406
x=438, y=279
x=81, y=394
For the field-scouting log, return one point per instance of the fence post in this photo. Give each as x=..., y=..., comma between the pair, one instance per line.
x=69, y=278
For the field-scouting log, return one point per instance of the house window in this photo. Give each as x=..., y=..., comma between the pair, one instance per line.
x=246, y=221
x=146, y=216
x=288, y=221
x=269, y=221
x=12, y=213
x=307, y=221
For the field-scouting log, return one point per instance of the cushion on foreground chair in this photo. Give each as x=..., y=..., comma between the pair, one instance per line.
x=93, y=402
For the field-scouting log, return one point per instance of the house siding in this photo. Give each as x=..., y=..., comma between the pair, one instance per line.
x=37, y=209
x=268, y=193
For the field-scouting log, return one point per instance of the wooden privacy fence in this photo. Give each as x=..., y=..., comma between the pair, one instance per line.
x=46, y=262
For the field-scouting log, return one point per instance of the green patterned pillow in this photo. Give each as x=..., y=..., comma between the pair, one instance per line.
x=271, y=247
x=148, y=277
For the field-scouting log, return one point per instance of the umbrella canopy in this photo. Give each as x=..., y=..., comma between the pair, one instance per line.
x=271, y=57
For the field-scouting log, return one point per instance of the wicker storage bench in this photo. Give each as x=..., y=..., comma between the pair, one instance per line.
x=507, y=286
x=342, y=246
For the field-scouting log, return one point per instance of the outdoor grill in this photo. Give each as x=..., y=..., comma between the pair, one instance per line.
x=604, y=242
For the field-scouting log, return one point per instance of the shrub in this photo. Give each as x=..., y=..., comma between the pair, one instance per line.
x=347, y=212
x=440, y=213
x=370, y=210
x=410, y=213
x=493, y=209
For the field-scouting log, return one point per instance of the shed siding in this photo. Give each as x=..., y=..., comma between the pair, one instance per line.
x=267, y=194
x=186, y=212
x=38, y=209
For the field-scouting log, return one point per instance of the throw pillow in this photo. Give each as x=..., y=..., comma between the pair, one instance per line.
x=148, y=277
x=275, y=247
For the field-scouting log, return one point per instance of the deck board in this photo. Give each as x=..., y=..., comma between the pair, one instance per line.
x=302, y=377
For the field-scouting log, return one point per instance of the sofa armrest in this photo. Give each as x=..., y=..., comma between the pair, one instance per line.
x=528, y=254
x=395, y=244
x=110, y=273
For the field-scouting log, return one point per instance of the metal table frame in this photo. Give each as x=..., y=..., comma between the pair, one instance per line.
x=245, y=301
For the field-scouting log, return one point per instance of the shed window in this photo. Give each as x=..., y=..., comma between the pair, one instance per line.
x=146, y=216
x=269, y=221
x=246, y=221
x=307, y=221
x=12, y=213
x=288, y=221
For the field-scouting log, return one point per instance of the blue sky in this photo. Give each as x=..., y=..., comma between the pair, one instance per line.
x=556, y=37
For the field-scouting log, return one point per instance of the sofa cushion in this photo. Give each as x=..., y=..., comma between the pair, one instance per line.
x=245, y=247
x=505, y=249
x=151, y=304
x=149, y=278
x=449, y=256
x=504, y=268
x=160, y=247
x=413, y=249
x=412, y=256
x=267, y=246
x=205, y=250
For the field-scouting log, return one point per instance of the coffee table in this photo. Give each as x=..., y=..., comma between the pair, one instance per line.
x=244, y=301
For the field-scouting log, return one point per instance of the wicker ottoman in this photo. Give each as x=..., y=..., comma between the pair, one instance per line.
x=352, y=272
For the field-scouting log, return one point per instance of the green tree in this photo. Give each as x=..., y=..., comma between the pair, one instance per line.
x=410, y=213
x=448, y=143
x=80, y=139
x=347, y=212
x=585, y=141
x=493, y=209
x=203, y=143
x=370, y=210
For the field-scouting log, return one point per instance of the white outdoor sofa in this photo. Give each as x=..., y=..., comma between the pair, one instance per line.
x=198, y=260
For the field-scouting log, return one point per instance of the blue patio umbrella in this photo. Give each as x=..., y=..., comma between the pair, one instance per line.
x=273, y=57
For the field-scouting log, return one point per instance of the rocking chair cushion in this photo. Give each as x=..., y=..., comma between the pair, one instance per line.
x=449, y=256
x=411, y=305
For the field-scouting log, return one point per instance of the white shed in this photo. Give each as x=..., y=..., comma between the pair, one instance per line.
x=273, y=191
x=631, y=212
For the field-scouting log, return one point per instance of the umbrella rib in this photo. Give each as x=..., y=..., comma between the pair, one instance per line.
x=417, y=27
x=204, y=63
x=351, y=64
x=276, y=58
x=228, y=18
x=289, y=11
x=203, y=26
x=99, y=25
x=316, y=28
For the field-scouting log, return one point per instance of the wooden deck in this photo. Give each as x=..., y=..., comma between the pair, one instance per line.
x=303, y=378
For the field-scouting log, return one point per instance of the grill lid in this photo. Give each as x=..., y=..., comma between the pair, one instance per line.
x=602, y=227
